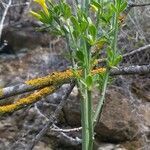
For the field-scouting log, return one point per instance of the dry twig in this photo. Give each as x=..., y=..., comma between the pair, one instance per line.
x=137, y=50
x=52, y=119
x=4, y=16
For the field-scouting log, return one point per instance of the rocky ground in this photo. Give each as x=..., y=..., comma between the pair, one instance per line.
x=125, y=121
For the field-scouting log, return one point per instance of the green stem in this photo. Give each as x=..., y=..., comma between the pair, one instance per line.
x=84, y=118
x=101, y=101
x=87, y=106
x=100, y=12
x=90, y=115
x=116, y=29
x=89, y=98
x=70, y=50
x=86, y=102
x=114, y=44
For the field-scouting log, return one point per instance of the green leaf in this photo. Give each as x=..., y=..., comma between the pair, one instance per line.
x=57, y=9
x=67, y=11
x=89, y=81
x=106, y=17
x=119, y=2
x=101, y=41
x=92, y=31
x=89, y=39
x=96, y=4
x=117, y=60
x=114, y=8
x=110, y=53
x=83, y=26
x=76, y=34
x=80, y=55
x=123, y=6
x=44, y=18
x=75, y=23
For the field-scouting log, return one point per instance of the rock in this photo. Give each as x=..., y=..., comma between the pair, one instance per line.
x=2, y=145
x=110, y=147
x=14, y=127
x=26, y=37
x=43, y=146
x=141, y=88
x=117, y=122
x=72, y=109
x=136, y=145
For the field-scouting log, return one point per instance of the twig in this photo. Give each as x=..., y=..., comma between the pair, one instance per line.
x=138, y=5
x=24, y=102
x=137, y=50
x=66, y=130
x=20, y=4
x=52, y=119
x=65, y=138
x=4, y=16
x=65, y=77
x=145, y=69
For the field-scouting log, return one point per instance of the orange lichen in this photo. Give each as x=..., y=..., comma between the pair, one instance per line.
x=27, y=100
x=58, y=77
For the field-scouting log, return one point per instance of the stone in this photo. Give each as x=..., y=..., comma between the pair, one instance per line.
x=141, y=88
x=25, y=37
x=117, y=123
x=72, y=109
x=108, y=146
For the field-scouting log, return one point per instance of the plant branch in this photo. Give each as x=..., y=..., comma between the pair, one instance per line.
x=138, y=5
x=4, y=16
x=26, y=101
x=101, y=101
x=137, y=50
x=65, y=77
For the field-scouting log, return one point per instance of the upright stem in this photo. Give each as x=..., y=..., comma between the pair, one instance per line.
x=101, y=101
x=114, y=47
x=86, y=106
x=84, y=118
x=4, y=16
x=114, y=44
x=115, y=27
x=86, y=103
x=100, y=12
x=90, y=115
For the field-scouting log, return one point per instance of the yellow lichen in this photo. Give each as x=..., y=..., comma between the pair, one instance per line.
x=27, y=100
x=58, y=77
x=98, y=70
x=53, y=80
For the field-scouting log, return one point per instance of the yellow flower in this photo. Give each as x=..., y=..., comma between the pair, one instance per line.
x=42, y=3
x=36, y=15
